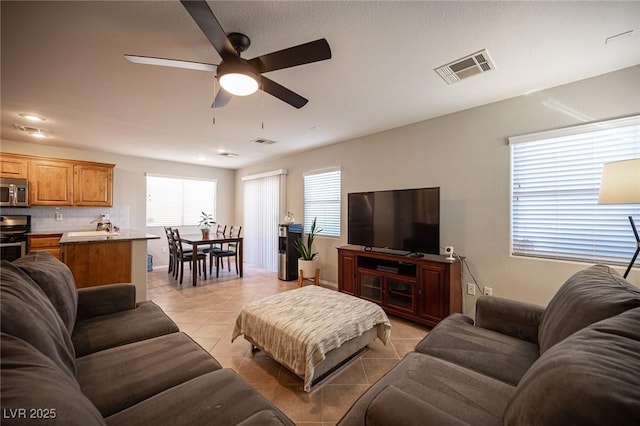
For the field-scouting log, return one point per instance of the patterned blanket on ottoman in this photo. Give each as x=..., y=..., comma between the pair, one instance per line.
x=297, y=328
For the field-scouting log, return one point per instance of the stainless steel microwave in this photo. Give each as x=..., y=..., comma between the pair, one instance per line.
x=14, y=192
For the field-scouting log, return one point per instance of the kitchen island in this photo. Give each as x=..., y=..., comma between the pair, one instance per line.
x=100, y=257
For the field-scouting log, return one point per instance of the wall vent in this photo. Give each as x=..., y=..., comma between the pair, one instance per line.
x=263, y=141
x=460, y=69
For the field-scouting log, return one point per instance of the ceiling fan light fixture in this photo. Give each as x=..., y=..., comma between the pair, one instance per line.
x=238, y=79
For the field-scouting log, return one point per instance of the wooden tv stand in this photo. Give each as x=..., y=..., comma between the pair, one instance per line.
x=424, y=289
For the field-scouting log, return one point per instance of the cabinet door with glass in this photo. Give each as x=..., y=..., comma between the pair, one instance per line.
x=371, y=286
x=401, y=294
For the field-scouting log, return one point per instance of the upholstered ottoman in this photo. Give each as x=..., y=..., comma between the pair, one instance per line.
x=312, y=331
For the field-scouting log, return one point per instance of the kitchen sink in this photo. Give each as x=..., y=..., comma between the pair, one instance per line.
x=92, y=234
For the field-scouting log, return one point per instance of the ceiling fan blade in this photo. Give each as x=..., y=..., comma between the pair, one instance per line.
x=307, y=53
x=222, y=99
x=282, y=93
x=208, y=23
x=175, y=63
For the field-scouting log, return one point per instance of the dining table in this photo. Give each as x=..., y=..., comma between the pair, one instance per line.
x=196, y=240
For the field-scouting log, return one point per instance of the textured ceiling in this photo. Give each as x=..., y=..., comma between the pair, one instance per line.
x=64, y=60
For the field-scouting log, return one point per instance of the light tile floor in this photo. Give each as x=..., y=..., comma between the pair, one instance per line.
x=207, y=313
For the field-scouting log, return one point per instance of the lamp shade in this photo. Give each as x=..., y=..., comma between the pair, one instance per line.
x=620, y=182
x=237, y=78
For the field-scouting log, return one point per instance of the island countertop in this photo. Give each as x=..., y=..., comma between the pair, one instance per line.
x=122, y=235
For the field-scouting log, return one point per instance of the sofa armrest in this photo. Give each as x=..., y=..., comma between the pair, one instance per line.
x=510, y=317
x=393, y=407
x=105, y=299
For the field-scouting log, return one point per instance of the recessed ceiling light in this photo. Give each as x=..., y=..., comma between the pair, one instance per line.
x=32, y=117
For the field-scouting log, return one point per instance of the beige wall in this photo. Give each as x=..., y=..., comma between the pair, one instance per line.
x=468, y=156
x=465, y=153
x=129, y=192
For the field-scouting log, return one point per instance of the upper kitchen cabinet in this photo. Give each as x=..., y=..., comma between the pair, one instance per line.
x=60, y=182
x=93, y=185
x=13, y=166
x=50, y=182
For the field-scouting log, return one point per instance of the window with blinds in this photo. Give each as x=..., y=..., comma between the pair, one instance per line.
x=555, y=182
x=173, y=201
x=322, y=201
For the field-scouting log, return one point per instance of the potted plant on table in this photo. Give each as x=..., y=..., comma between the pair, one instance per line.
x=307, y=259
x=206, y=222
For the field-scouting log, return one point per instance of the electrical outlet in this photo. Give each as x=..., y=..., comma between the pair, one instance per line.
x=471, y=289
x=58, y=216
x=164, y=249
x=105, y=216
x=488, y=291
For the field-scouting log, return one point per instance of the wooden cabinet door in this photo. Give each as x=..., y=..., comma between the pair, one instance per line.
x=50, y=182
x=400, y=294
x=13, y=166
x=433, y=293
x=49, y=243
x=346, y=274
x=99, y=263
x=93, y=185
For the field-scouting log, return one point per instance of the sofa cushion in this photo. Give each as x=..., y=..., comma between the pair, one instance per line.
x=457, y=340
x=394, y=407
x=117, y=378
x=56, y=280
x=588, y=296
x=590, y=378
x=34, y=390
x=221, y=397
x=27, y=313
x=459, y=392
x=145, y=321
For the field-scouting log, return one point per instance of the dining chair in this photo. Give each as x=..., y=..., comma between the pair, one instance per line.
x=230, y=251
x=183, y=256
x=172, y=258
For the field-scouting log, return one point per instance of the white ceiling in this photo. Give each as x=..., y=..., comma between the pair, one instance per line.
x=64, y=60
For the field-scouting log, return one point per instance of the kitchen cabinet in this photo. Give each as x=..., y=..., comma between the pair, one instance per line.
x=13, y=166
x=46, y=242
x=92, y=185
x=423, y=290
x=61, y=182
x=50, y=182
x=96, y=263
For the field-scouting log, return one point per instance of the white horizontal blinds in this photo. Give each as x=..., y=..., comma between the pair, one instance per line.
x=555, y=183
x=322, y=201
x=173, y=201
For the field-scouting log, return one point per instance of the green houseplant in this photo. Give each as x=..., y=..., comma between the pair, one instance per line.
x=306, y=262
x=205, y=223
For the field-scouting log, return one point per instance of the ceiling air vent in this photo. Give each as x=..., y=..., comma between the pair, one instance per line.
x=460, y=69
x=33, y=131
x=263, y=141
x=228, y=154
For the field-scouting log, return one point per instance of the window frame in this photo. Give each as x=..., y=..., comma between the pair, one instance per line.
x=609, y=235
x=184, y=220
x=330, y=229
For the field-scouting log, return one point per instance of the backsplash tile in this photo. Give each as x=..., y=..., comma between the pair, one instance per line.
x=43, y=219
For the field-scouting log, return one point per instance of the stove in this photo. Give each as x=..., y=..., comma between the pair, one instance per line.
x=14, y=230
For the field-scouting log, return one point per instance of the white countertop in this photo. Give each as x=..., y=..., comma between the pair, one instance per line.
x=123, y=235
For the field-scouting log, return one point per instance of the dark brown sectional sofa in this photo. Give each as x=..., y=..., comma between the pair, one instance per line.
x=93, y=357
x=575, y=362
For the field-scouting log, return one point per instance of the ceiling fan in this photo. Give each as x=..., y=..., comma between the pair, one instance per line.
x=238, y=76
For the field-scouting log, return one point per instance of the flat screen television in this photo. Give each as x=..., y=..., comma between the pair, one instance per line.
x=405, y=219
